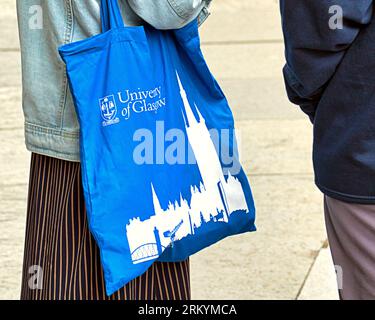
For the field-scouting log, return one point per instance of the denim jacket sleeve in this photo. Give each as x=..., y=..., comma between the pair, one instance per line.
x=170, y=14
x=51, y=124
x=313, y=49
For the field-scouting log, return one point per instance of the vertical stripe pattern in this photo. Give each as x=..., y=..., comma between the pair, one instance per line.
x=61, y=258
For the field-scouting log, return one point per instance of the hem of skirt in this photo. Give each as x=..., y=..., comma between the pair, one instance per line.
x=52, y=142
x=346, y=197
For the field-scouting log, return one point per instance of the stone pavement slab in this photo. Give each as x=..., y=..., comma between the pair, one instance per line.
x=251, y=77
x=242, y=21
x=8, y=25
x=273, y=262
x=10, y=68
x=321, y=281
x=14, y=160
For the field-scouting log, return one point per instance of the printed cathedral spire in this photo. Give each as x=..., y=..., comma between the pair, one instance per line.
x=213, y=201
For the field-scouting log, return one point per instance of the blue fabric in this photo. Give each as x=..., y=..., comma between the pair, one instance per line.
x=160, y=168
x=330, y=74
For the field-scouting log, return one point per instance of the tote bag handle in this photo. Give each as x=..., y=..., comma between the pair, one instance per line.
x=110, y=15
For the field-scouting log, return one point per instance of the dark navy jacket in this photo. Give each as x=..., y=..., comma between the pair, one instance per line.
x=330, y=74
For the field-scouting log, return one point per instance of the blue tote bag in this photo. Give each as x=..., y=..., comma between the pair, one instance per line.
x=160, y=169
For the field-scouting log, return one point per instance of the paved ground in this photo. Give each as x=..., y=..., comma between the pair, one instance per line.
x=287, y=257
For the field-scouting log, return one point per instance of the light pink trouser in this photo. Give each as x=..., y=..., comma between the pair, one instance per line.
x=351, y=236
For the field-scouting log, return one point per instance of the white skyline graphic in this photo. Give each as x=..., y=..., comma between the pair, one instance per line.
x=214, y=200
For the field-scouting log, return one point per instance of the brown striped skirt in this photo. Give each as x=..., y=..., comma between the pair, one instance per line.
x=61, y=259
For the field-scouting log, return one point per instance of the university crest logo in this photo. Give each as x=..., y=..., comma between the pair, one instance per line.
x=108, y=110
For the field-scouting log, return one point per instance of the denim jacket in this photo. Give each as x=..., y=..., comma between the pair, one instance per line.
x=51, y=125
